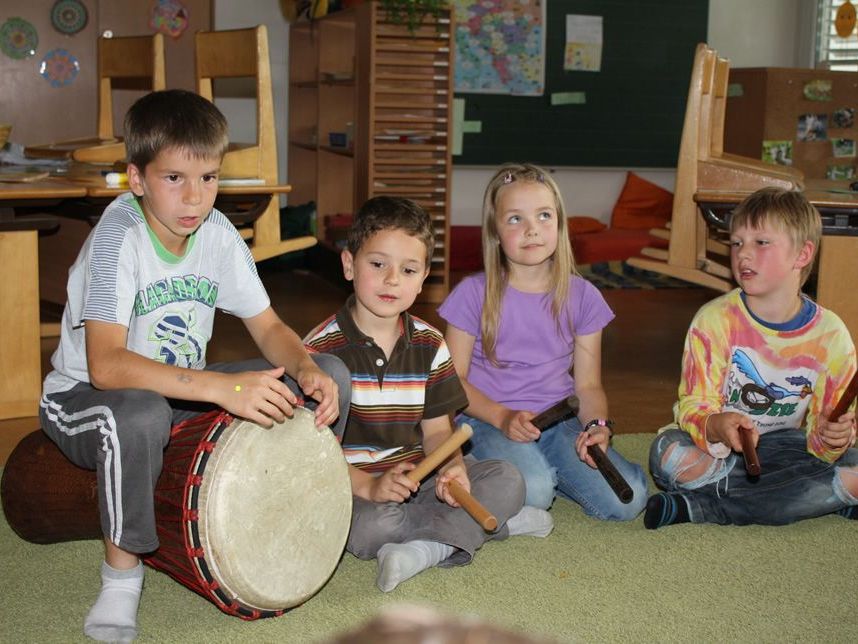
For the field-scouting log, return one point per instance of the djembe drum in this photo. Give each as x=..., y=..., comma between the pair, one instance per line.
x=253, y=519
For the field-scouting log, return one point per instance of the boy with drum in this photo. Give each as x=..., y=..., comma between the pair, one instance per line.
x=404, y=390
x=142, y=296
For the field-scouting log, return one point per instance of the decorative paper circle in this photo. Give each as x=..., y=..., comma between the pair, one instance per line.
x=169, y=17
x=68, y=16
x=59, y=67
x=844, y=23
x=18, y=38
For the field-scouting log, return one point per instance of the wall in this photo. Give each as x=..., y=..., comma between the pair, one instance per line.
x=762, y=33
x=241, y=112
x=750, y=34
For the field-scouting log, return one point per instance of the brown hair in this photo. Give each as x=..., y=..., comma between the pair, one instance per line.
x=174, y=118
x=495, y=261
x=391, y=213
x=786, y=210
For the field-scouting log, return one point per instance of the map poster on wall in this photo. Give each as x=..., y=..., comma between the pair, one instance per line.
x=500, y=46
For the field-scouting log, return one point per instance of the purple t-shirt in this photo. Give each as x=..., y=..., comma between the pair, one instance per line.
x=534, y=355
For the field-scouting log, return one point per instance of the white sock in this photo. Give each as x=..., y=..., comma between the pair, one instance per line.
x=400, y=561
x=530, y=522
x=113, y=617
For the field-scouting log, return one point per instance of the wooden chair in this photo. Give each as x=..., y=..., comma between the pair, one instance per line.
x=244, y=53
x=694, y=253
x=123, y=62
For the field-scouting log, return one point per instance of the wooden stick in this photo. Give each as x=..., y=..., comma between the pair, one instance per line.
x=441, y=453
x=469, y=504
x=845, y=400
x=557, y=411
x=568, y=407
x=749, y=453
x=477, y=510
x=611, y=473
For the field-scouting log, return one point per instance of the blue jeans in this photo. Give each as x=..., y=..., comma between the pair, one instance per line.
x=551, y=463
x=793, y=485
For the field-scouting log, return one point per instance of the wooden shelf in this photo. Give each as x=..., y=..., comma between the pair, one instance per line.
x=355, y=67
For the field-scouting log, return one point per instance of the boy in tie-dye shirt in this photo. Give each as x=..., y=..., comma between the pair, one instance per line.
x=763, y=359
x=405, y=391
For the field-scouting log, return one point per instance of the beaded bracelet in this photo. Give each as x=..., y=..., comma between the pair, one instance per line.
x=601, y=422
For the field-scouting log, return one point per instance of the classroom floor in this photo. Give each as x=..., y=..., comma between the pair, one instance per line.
x=642, y=347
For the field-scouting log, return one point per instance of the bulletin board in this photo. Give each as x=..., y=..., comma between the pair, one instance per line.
x=633, y=107
x=808, y=115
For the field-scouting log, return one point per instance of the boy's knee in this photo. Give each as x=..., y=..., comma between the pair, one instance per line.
x=847, y=479
x=374, y=525
x=687, y=465
x=336, y=369
x=339, y=372
x=143, y=418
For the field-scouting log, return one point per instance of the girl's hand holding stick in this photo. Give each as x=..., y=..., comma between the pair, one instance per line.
x=569, y=407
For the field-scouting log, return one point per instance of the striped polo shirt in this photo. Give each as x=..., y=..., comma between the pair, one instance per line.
x=391, y=397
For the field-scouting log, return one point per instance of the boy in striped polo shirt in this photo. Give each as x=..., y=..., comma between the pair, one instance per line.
x=404, y=391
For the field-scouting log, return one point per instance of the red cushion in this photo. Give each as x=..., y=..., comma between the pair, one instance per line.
x=641, y=205
x=466, y=248
x=612, y=245
x=582, y=225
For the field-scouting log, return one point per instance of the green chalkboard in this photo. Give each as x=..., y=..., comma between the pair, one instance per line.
x=634, y=106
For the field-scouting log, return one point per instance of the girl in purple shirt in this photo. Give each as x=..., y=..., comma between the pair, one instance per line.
x=517, y=334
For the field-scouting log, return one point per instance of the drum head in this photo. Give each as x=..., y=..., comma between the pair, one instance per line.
x=275, y=510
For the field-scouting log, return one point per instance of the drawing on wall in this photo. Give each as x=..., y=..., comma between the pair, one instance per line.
x=169, y=17
x=840, y=172
x=843, y=147
x=812, y=127
x=18, y=38
x=59, y=67
x=843, y=118
x=69, y=16
x=818, y=90
x=777, y=152
x=583, y=43
x=500, y=47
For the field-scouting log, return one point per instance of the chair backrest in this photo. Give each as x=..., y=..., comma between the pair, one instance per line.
x=234, y=54
x=703, y=165
x=126, y=61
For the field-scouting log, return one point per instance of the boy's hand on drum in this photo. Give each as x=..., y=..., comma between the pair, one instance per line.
x=319, y=386
x=517, y=427
x=839, y=434
x=597, y=435
x=393, y=485
x=725, y=426
x=258, y=396
x=455, y=472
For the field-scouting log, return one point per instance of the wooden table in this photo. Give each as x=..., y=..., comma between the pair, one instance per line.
x=838, y=251
x=20, y=353
x=74, y=201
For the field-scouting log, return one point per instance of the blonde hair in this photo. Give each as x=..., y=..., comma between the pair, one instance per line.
x=495, y=261
x=786, y=210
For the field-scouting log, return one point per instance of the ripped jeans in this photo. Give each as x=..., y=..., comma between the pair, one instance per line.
x=793, y=485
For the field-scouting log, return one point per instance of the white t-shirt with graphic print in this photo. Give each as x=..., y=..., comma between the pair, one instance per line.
x=124, y=275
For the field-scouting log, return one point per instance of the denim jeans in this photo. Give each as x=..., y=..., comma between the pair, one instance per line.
x=551, y=464
x=793, y=485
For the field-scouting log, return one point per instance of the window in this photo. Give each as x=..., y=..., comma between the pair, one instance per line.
x=832, y=51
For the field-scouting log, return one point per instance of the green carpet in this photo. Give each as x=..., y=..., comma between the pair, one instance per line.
x=589, y=581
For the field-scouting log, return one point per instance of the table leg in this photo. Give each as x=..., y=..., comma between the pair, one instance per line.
x=20, y=353
x=838, y=268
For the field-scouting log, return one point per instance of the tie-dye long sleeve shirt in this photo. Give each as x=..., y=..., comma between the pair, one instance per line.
x=781, y=379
